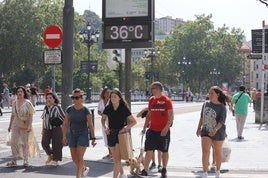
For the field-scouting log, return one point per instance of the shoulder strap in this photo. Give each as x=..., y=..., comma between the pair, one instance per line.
x=239, y=97
x=204, y=106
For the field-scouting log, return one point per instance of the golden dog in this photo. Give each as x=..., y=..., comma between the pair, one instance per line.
x=135, y=163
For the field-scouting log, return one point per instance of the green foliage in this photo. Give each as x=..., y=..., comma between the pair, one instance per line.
x=22, y=24
x=206, y=48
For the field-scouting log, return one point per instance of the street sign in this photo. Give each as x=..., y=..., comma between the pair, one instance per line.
x=254, y=56
x=89, y=66
x=93, y=66
x=84, y=66
x=265, y=66
x=52, y=56
x=256, y=36
x=53, y=36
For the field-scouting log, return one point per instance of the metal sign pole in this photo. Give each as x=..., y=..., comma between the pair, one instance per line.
x=54, y=79
x=262, y=71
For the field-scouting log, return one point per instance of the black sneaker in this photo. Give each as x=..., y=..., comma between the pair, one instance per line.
x=143, y=173
x=164, y=173
x=159, y=167
x=153, y=166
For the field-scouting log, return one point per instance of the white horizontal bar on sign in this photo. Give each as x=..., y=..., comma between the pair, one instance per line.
x=52, y=36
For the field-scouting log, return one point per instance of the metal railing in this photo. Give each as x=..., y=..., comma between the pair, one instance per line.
x=41, y=99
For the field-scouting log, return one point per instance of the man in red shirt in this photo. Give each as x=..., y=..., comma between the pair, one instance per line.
x=160, y=118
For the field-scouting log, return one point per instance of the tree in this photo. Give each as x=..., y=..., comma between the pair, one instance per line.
x=206, y=48
x=21, y=26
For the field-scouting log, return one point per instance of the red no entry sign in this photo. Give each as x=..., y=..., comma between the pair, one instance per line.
x=53, y=36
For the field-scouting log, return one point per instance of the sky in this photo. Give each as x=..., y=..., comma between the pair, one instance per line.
x=243, y=14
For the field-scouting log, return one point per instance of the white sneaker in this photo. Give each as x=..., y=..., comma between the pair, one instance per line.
x=205, y=175
x=123, y=176
x=85, y=172
x=217, y=175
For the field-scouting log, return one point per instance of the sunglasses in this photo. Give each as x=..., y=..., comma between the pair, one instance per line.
x=76, y=97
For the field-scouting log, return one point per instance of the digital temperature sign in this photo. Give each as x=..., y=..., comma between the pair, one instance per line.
x=128, y=23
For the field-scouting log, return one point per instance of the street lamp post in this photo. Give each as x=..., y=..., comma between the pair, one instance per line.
x=183, y=63
x=152, y=53
x=2, y=78
x=89, y=36
x=215, y=73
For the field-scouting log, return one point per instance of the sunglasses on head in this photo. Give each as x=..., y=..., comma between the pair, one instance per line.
x=76, y=97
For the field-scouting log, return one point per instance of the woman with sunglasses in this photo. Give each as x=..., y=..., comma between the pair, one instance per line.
x=53, y=117
x=77, y=120
x=119, y=119
x=23, y=141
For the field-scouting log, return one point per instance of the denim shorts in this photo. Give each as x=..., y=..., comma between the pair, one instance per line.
x=78, y=138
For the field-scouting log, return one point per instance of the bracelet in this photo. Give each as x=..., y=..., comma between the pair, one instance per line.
x=93, y=138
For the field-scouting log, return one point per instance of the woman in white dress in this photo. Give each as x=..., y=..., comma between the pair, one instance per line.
x=23, y=141
x=104, y=100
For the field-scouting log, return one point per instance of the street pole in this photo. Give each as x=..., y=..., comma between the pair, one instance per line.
x=262, y=71
x=67, y=54
x=128, y=76
x=120, y=76
x=152, y=67
x=88, y=98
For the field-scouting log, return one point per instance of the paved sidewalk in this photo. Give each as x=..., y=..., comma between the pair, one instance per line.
x=249, y=157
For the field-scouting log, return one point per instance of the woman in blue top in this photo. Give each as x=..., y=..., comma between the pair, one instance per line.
x=211, y=128
x=119, y=119
x=77, y=121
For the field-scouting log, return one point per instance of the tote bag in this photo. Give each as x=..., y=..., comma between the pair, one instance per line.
x=226, y=151
x=125, y=145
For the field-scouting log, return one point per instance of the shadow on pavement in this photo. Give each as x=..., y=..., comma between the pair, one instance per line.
x=97, y=169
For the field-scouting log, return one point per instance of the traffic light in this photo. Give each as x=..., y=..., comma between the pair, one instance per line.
x=117, y=55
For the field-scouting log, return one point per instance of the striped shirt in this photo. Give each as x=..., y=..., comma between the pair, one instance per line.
x=49, y=112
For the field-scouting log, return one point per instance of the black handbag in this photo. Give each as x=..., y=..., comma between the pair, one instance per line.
x=55, y=121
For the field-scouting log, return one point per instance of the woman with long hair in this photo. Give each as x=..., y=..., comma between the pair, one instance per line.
x=212, y=129
x=119, y=119
x=78, y=121
x=23, y=141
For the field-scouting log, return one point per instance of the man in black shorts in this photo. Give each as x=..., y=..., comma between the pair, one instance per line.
x=160, y=117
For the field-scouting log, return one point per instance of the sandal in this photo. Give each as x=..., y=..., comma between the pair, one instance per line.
x=11, y=164
x=54, y=163
x=25, y=163
x=49, y=159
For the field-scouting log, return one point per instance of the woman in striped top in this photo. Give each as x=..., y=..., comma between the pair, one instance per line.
x=52, y=133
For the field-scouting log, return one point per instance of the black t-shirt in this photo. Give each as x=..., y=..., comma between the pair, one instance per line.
x=117, y=119
x=33, y=91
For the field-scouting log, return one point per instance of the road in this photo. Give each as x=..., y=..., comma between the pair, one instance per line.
x=249, y=158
